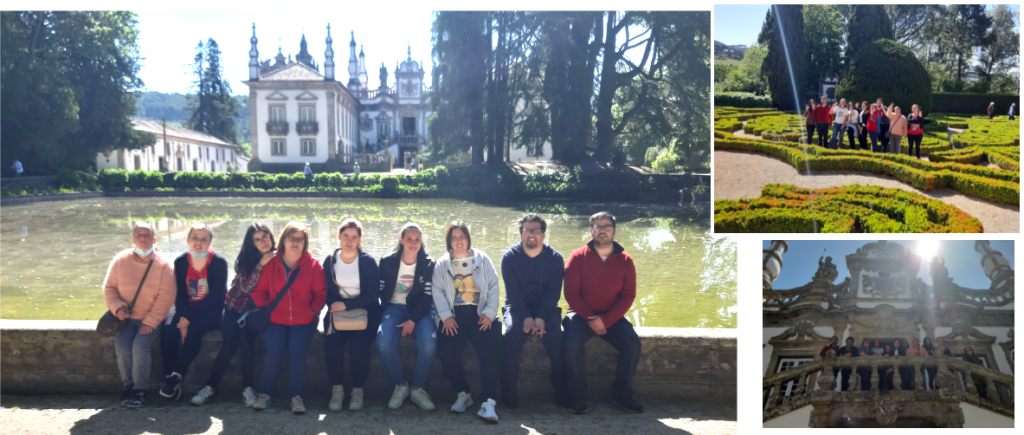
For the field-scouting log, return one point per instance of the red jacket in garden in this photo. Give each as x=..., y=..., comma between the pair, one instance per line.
x=823, y=114
x=304, y=300
x=605, y=288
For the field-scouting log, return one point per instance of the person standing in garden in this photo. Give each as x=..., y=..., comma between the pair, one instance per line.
x=915, y=132
x=839, y=124
x=822, y=118
x=809, y=120
x=873, y=123
x=862, y=135
x=18, y=169
x=991, y=110
x=1012, y=107
x=883, y=129
x=897, y=129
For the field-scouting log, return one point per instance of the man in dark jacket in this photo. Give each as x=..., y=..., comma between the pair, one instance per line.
x=848, y=351
x=533, y=273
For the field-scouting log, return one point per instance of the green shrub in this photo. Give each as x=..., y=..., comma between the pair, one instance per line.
x=186, y=180
x=389, y=186
x=371, y=180
x=887, y=69
x=666, y=162
x=221, y=180
x=975, y=104
x=154, y=179
x=298, y=179
x=742, y=99
x=113, y=180
x=68, y=179
x=242, y=180
x=322, y=180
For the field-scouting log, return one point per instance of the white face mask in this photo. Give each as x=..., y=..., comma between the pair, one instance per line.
x=197, y=255
x=144, y=253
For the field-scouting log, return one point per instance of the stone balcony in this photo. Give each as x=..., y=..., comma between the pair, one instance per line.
x=277, y=128
x=956, y=382
x=307, y=128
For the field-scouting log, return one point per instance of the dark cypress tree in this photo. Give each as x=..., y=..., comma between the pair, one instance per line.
x=867, y=24
x=213, y=108
x=776, y=66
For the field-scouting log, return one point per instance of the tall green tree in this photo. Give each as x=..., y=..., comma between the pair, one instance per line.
x=748, y=77
x=67, y=84
x=1002, y=54
x=823, y=41
x=780, y=69
x=964, y=30
x=867, y=24
x=460, y=55
x=911, y=24
x=213, y=108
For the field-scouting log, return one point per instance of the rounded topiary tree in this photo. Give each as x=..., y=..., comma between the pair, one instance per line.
x=888, y=70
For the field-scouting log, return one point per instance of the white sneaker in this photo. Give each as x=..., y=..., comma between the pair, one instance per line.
x=297, y=406
x=262, y=402
x=337, y=396
x=465, y=399
x=422, y=399
x=398, y=396
x=487, y=411
x=203, y=396
x=249, y=397
x=356, y=403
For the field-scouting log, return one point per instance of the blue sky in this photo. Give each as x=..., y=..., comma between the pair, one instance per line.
x=740, y=24
x=167, y=40
x=964, y=263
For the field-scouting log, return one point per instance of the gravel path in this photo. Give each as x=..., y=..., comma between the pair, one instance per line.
x=100, y=415
x=741, y=175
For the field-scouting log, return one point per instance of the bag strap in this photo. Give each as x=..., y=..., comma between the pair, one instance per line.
x=144, y=275
x=287, y=285
x=336, y=257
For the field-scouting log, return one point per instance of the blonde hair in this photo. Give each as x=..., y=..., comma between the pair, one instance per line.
x=288, y=230
x=200, y=226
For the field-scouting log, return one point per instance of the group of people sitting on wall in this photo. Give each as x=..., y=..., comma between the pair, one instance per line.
x=885, y=127
x=898, y=348
x=442, y=304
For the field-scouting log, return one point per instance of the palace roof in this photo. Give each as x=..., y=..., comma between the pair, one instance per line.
x=293, y=72
x=157, y=129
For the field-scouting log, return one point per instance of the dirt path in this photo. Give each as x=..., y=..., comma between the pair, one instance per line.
x=741, y=175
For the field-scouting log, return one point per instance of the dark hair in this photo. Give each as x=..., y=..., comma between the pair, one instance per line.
x=352, y=223
x=533, y=217
x=250, y=255
x=448, y=234
x=887, y=350
x=602, y=215
x=928, y=340
x=866, y=341
x=199, y=226
x=851, y=339
x=836, y=338
x=406, y=227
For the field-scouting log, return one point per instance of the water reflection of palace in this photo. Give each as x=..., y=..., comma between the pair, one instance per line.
x=884, y=299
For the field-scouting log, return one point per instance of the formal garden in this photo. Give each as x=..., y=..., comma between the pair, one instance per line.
x=768, y=179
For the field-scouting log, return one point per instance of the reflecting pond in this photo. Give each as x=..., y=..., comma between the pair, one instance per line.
x=55, y=254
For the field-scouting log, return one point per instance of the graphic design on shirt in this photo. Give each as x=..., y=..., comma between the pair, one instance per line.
x=404, y=284
x=466, y=290
x=197, y=289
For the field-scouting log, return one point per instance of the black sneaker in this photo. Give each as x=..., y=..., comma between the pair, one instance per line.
x=172, y=388
x=630, y=404
x=510, y=398
x=580, y=409
x=563, y=401
x=138, y=399
x=126, y=397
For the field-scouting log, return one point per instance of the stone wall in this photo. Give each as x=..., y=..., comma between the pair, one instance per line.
x=37, y=182
x=676, y=364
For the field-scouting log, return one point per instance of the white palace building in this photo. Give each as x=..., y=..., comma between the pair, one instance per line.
x=298, y=114
x=884, y=299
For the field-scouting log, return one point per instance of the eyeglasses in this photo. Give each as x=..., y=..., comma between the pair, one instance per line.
x=296, y=239
x=535, y=232
x=603, y=228
x=264, y=239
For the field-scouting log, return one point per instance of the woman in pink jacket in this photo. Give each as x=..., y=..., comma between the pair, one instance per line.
x=144, y=271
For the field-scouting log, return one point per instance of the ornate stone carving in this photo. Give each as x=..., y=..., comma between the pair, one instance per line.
x=827, y=271
x=885, y=285
x=886, y=408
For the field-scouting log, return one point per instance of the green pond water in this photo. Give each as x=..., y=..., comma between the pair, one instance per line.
x=55, y=254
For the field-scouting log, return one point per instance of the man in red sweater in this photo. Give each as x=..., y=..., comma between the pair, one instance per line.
x=823, y=116
x=600, y=285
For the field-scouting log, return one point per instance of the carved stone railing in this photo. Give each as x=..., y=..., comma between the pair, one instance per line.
x=277, y=128
x=408, y=139
x=954, y=380
x=307, y=128
x=992, y=297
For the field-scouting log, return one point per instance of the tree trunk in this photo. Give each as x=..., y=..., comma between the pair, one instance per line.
x=606, y=94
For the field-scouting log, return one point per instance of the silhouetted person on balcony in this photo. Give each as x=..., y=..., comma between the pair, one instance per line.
x=848, y=351
x=833, y=346
x=940, y=350
x=865, y=373
x=979, y=382
x=886, y=376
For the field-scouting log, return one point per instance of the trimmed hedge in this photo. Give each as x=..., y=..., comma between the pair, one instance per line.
x=742, y=99
x=887, y=69
x=784, y=208
x=975, y=104
x=964, y=155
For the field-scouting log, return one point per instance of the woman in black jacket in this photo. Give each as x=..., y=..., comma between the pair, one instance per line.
x=408, y=306
x=979, y=382
x=201, y=275
x=353, y=283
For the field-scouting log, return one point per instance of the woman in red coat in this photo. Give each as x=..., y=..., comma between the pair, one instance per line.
x=294, y=320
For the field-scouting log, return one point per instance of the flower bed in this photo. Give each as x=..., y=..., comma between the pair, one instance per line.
x=783, y=208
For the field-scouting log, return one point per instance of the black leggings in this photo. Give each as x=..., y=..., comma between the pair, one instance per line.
x=914, y=140
x=810, y=133
x=487, y=345
x=863, y=138
x=358, y=350
x=231, y=337
x=178, y=356
x=822, y=135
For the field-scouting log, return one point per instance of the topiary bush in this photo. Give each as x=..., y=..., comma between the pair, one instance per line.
x=68, y=179
x=742, y=99
x=389, y=186
x=137, y=179
x=887, y=69
x=113, y=180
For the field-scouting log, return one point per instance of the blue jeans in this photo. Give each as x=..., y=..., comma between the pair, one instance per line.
x=135, y=354
x=874, y=140
x=388, y=336
x=837, y=129
x=293, y=340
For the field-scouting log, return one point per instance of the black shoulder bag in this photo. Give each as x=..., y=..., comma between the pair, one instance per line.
x=258, y=319
x=109, y=325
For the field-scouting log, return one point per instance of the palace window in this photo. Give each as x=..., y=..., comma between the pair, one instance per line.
x=308, y=147
x=307, y=113
x=277, y=147
x=789, y=389
x=277, y=114
x=383, y=131
x=408, y=125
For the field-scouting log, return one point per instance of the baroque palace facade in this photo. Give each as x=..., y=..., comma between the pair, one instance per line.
x=884, y=299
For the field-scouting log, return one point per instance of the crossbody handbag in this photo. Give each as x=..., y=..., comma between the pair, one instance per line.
x=258, y=319
x=109, y=325
x=347, y=320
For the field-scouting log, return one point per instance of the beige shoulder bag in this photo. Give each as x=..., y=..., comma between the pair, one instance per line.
x=347, y=320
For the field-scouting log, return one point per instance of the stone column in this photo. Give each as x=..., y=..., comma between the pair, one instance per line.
x=996, y=267
x=771, y=265
x=332, y=140
x=255, y=164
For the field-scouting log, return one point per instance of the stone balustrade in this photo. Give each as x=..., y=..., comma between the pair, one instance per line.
x=954, y=380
